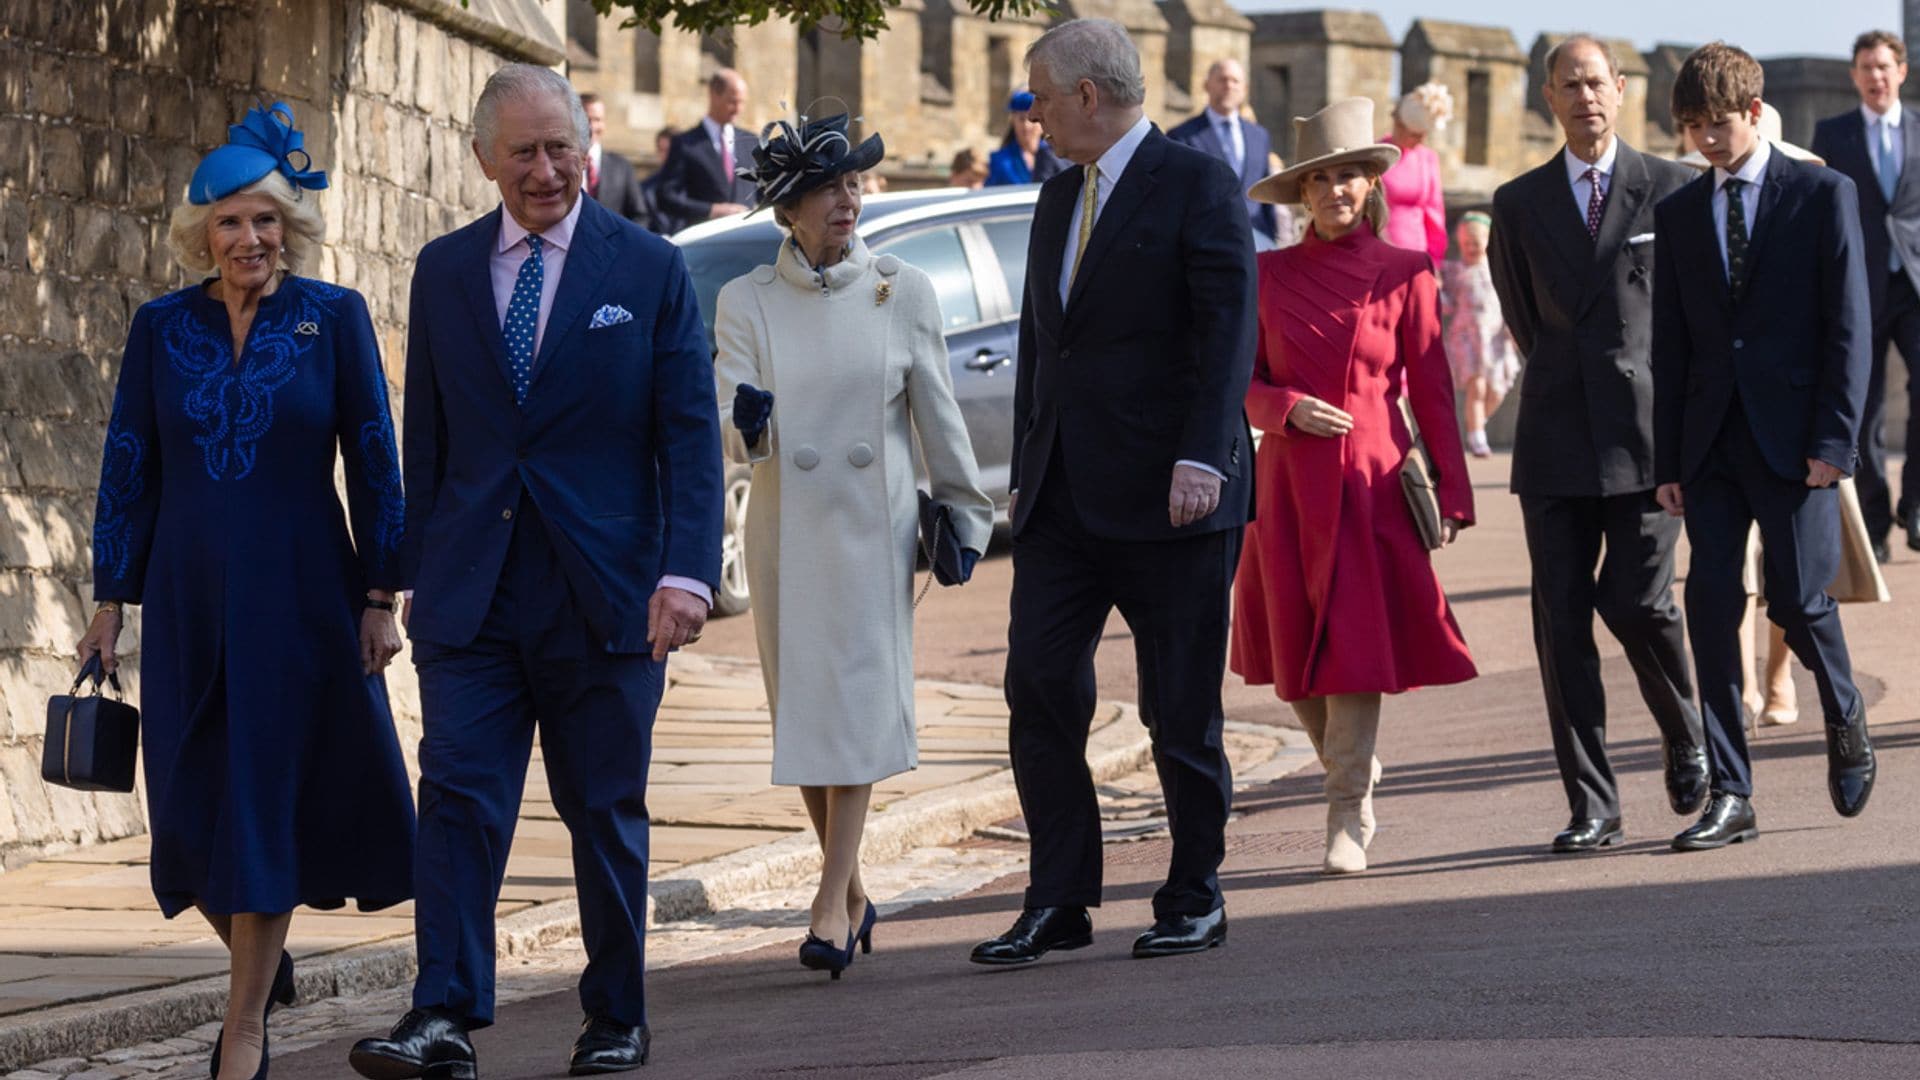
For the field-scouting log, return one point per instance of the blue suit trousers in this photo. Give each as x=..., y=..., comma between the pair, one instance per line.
x=535, y=663
x=1800, y=539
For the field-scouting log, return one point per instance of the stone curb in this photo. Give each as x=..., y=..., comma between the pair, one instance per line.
x=941, y=816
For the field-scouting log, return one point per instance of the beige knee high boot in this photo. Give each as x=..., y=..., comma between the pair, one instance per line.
x=1353, y=723
x=1368, y=825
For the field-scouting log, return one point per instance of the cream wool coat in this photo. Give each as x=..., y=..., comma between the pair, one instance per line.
x=857, y=365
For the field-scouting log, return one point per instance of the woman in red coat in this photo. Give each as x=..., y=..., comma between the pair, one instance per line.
x=1336, y=600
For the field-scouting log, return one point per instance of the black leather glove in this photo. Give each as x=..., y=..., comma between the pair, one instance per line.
x=752, y=407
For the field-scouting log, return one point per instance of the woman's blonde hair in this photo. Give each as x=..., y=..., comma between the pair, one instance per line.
x=1374, y=209
x=303, y=229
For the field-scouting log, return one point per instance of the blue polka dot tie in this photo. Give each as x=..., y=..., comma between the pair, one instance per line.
x=523, y=318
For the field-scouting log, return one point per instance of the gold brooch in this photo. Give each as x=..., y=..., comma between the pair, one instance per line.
x=882, y=291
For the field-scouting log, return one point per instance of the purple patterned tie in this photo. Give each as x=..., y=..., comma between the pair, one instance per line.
x=1596, y=201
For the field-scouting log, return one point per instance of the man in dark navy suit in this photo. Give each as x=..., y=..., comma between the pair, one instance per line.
x=1880, y=152
x=610, y=176
x=1132, y=467
x=700, y=181
x=1220, y=130
x=1761, y=333
x=562, y=461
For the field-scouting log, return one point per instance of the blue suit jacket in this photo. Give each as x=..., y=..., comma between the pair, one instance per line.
x=1198, y=133
x=618, y=444
x=1794, y=352
x=1842, y=141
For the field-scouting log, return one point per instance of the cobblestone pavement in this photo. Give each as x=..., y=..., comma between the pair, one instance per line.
x=1131, y=805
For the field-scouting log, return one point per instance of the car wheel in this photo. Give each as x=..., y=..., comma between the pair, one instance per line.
x=732, y=599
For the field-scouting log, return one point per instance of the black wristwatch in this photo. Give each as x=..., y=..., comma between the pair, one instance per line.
x=380, y=605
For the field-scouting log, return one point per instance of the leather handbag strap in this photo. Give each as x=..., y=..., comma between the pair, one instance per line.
x=939, y=526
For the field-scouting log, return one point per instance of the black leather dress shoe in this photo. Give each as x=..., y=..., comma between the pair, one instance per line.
x=430, y=1043
x=1882, y=551
x=1728, y=820
x=1850, y=763
x=606, y=1045
x=1911, y=525
x=1589, y=834
x=1687, y=778
x=1035, y=933
x=1173, y=935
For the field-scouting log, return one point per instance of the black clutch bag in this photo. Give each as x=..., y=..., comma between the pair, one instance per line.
x=92, y=740
x=939, y=543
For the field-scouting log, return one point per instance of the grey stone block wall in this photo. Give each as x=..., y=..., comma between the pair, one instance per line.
x=105, y=108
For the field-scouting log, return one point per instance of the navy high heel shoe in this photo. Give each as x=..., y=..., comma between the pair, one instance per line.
x=282, y=994
x=819, y=954
x=864, y=935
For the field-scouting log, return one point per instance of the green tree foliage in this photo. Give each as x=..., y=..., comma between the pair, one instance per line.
x=850, y=18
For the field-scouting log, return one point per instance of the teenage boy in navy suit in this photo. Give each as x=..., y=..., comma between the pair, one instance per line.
x=1761, y=337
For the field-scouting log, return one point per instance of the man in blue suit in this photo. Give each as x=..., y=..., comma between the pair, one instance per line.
x=563, y=455
x=1220, y=130
x=1760, y=364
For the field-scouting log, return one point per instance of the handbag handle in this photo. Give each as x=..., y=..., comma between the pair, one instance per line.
x=939, y=525
x=94, y=668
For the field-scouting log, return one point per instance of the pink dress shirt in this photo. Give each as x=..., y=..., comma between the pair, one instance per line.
x=1416, y=211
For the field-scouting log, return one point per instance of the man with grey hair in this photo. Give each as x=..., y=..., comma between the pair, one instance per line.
x=562, y=461
x=1572, y=261
x=1132, y=471
x=1220, y=130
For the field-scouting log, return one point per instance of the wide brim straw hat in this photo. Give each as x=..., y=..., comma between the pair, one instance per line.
x=1771, y=127
x=1336, y=135
x=788, y=163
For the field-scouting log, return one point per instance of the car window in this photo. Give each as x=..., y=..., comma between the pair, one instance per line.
x=937, y=252
x=1009, y=239
x=717, y=260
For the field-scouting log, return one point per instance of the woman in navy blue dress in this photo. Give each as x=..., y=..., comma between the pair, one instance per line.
x=274, y=775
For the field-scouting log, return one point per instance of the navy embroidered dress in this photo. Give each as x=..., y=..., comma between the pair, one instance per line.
x=274, y=775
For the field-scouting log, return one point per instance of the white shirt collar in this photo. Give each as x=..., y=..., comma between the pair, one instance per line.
x=716, y=132
x=560, y=236
x=1891, y=116
x=1114, y=161
x=1220, y=117
x=1752, y=172
x=1577, y=169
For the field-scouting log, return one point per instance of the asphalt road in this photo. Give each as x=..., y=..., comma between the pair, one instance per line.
x=1466, y=951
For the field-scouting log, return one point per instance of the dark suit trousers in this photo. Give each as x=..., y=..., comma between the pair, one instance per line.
x=1800, y=534
x=1897, y=323
x=1633, y=595
x=1174, y=596
x=534, y=664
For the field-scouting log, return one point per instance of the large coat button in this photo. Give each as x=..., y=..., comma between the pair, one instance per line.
x=806, y=457
x=860, y=456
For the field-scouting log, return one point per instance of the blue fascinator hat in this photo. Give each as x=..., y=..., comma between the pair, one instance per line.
x=1021, y=101
x=266, y=141
x=789, y=163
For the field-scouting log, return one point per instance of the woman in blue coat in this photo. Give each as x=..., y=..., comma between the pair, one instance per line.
x=1023, y=157
x=274, y=776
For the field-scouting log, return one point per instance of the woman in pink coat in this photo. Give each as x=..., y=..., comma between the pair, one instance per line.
x=1336, y=602
x=1418, y=218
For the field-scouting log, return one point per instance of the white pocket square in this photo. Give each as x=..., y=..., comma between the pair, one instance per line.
x=610, y=315
x=1643, y=238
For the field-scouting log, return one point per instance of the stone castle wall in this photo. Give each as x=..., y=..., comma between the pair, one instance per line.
x=105, y=108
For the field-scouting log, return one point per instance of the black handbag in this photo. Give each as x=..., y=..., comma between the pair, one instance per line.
x=1419, y=480
x=92, y=740
x=940, y=545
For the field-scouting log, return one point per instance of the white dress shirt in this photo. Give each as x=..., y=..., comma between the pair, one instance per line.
x=1885, y=134
x=721, y=136
x=1753, y=172
x=1112, y=164
x=508, y=254
x=1577, y=176
x=1227, y=126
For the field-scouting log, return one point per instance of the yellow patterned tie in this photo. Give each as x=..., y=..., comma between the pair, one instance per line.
x=1089, y=206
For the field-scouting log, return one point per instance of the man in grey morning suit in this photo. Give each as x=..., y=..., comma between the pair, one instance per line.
x=1572, y=252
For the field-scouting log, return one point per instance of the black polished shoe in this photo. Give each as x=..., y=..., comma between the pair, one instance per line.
x=1728, y=820
x=1173, y=935
x=1588, y=834
x=1882, y=551
x=1687, y=778
x=430, y=1043
x=1911, y=524
x=282, y=994
x=1850, y=763
x=1035, y=933
x=606, y=1045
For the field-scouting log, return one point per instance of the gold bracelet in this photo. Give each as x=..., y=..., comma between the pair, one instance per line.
x=109, y=605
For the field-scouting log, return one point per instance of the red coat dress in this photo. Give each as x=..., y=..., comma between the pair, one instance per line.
x=1335, y=593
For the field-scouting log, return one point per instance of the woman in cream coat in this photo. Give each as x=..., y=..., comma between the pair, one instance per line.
x=831, y=361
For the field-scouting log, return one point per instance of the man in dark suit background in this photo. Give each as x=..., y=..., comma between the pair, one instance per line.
x=1220, y=130
x=562, y=463
x=610, y=176
x=1761, y=332
x=698, y=182
x=1880, y=152
x=1572, y=254
x=658, y=219
x=1132, y=469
